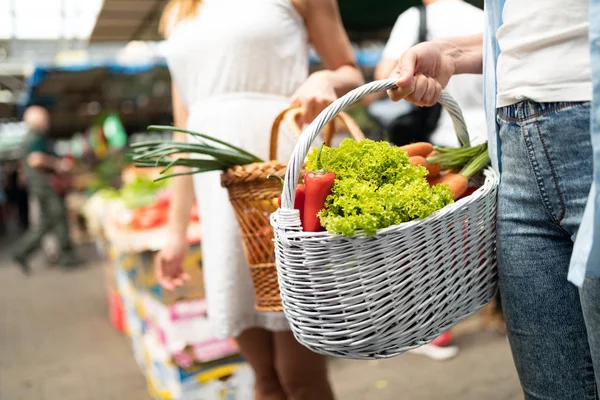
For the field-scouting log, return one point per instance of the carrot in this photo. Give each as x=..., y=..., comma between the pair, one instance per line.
x=459, y=182
x=434, y=169
x=418, y=149
x=418, y=160
x=456, y=182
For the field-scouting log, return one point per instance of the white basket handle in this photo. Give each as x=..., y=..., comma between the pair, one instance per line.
x=312, y=131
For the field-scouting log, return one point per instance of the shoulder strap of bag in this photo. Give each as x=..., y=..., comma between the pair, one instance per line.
x=422, y=23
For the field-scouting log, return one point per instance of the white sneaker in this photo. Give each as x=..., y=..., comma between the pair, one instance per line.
x=437, y=353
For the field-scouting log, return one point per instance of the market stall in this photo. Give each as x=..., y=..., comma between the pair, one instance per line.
x=138, y=92
x=94, y=110
x=171, y=337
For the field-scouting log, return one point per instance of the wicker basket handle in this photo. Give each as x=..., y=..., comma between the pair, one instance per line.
x=303, y=146
x=290, y=115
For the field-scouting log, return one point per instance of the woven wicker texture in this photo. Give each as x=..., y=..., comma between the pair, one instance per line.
x=254, y=198
x=379, y=296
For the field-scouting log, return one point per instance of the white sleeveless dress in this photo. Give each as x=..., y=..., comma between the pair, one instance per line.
x=236, y=65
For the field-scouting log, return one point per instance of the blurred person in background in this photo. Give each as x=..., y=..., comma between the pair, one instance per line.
x=16, y=192
x=542, y=95
x=236, y=64
x=444, y=18
x=45, y=181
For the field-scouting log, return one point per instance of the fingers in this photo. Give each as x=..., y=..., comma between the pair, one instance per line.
x=311, y=107
x=402, y=91
x=180, y=279
x=421, y=87
x=427, y=92
x=169, y=272
x=420, y=90
x=436, y=94
x=159, y=272
x=405, y=69
x=404, y=73
x=309, y=112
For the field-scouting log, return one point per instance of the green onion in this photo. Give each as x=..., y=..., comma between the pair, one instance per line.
x=175, y=129
x=152, y=154
x=451, y=158
x=476, y=164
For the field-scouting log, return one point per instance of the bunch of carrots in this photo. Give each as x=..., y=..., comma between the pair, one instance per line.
x=449, y=166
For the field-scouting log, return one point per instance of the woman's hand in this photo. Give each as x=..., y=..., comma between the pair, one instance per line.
x=327, y=35
x=425, y=69
x=421, y=73
x=314, y=95
x=169, y=264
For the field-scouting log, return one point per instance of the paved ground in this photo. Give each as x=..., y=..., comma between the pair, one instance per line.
x=56, y=344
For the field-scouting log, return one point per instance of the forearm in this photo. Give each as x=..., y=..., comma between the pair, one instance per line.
x=182, y=200
x=344, y=78
x=466, y=51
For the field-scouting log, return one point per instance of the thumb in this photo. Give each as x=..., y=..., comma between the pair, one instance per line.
x=302, y=116
x=404, y=73
x=405, y=69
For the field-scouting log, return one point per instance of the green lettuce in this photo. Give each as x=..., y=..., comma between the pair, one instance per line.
x=375, y=187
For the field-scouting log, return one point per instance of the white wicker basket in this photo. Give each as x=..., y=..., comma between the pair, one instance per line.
x=379, y=296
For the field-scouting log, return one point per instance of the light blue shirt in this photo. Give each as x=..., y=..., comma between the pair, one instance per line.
x=586, y=253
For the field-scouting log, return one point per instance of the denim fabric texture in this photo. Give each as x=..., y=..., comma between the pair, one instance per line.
x=547, y=170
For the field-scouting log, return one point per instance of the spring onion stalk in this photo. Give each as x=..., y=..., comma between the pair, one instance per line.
x=451, y=158
x=476, y=164
x=175, y=129
x=152, y=154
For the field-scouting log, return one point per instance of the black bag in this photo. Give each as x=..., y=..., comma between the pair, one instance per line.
x=418, y=124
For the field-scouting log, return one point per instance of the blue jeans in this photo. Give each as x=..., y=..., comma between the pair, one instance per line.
x=546, y=177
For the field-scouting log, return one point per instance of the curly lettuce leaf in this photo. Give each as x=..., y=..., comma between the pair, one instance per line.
x=375, y=187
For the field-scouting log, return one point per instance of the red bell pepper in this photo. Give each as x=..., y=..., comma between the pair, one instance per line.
x=318, y=186
x=298, y=200
x=468, y=192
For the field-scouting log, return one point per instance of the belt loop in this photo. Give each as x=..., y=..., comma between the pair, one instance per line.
x=520, y=110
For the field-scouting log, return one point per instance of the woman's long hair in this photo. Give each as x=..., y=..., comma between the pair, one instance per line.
x=175, y=12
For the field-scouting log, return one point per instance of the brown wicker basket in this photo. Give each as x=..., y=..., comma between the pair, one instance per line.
x=254, y=198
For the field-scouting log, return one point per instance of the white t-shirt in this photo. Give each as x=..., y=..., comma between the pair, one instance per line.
x=545, y=54
x=446, y=18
